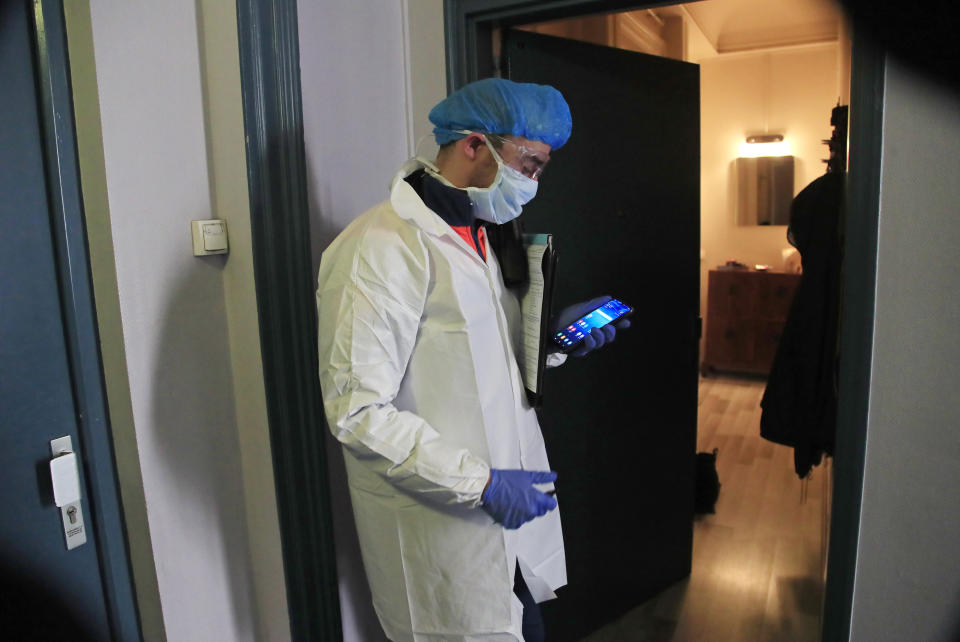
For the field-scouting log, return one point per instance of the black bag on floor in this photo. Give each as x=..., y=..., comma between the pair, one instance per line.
x=707, y=484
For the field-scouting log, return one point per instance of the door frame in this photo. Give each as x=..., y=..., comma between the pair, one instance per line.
x=280, y=221
x=269, y=56
x=469, y=25
x=71, y=255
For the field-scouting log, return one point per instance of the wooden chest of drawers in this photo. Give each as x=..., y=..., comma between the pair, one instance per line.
x=746, y=312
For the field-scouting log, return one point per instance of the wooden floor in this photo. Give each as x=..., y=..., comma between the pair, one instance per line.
x=758, y=561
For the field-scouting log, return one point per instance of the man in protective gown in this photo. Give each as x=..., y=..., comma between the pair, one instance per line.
x=419, y=342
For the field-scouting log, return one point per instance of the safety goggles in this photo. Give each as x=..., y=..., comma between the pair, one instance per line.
x=528, y=162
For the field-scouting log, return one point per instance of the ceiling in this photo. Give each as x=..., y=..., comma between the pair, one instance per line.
x=737, y=25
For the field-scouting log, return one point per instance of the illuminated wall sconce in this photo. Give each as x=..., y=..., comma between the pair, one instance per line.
x=764, y=181
x=766, y=145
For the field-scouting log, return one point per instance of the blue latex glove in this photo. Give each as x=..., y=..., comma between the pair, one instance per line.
x=596, y=339
x=511, y=500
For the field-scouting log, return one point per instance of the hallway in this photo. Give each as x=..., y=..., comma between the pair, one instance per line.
x=757, y=562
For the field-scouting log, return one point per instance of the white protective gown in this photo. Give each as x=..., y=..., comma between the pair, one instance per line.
x=418, y=346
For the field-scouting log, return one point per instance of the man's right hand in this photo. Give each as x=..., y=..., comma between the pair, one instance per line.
x=511, y=500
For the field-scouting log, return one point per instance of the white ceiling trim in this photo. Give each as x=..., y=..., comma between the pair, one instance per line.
x=741, y=25
x=774, y=43
x=823, y=44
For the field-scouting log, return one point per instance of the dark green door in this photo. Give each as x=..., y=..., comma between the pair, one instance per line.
x=622, y=200
x=50, y=385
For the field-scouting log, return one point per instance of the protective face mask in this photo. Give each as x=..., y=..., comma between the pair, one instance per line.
x=503, y=201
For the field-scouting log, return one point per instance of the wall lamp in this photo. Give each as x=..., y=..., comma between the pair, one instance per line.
x=764, y=181
x=764, y=145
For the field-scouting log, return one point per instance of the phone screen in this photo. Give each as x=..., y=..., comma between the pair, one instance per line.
x=576, y=331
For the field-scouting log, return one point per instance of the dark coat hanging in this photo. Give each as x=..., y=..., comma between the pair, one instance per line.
x=800, y=401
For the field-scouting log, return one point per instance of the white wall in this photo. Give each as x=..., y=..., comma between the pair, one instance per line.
x=370, y=72
x=789, y=92
x=908, y=564
x=354, y=108
x=171, y=137
x=426, y=67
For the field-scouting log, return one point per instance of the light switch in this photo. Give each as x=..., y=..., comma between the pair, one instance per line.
x=209, y=237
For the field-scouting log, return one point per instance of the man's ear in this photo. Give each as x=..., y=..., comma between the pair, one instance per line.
x=471, y=145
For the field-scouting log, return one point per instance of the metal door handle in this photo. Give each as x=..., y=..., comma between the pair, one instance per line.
x=64, y=472
x=65, y=476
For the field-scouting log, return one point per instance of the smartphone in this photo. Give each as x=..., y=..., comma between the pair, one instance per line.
x=570, y=337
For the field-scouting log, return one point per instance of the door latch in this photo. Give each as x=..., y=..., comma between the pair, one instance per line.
x=65, y=477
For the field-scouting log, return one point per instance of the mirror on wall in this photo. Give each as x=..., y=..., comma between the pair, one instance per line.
x=764, y=190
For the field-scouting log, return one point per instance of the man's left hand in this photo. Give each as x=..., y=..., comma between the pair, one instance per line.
x=596, y=339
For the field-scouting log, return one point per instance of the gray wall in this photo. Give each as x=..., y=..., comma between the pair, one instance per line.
x=908, y=568
x=181, y=355
x=370, y=73
x=353, y=77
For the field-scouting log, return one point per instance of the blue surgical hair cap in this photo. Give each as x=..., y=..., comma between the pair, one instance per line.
x=500, y=106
